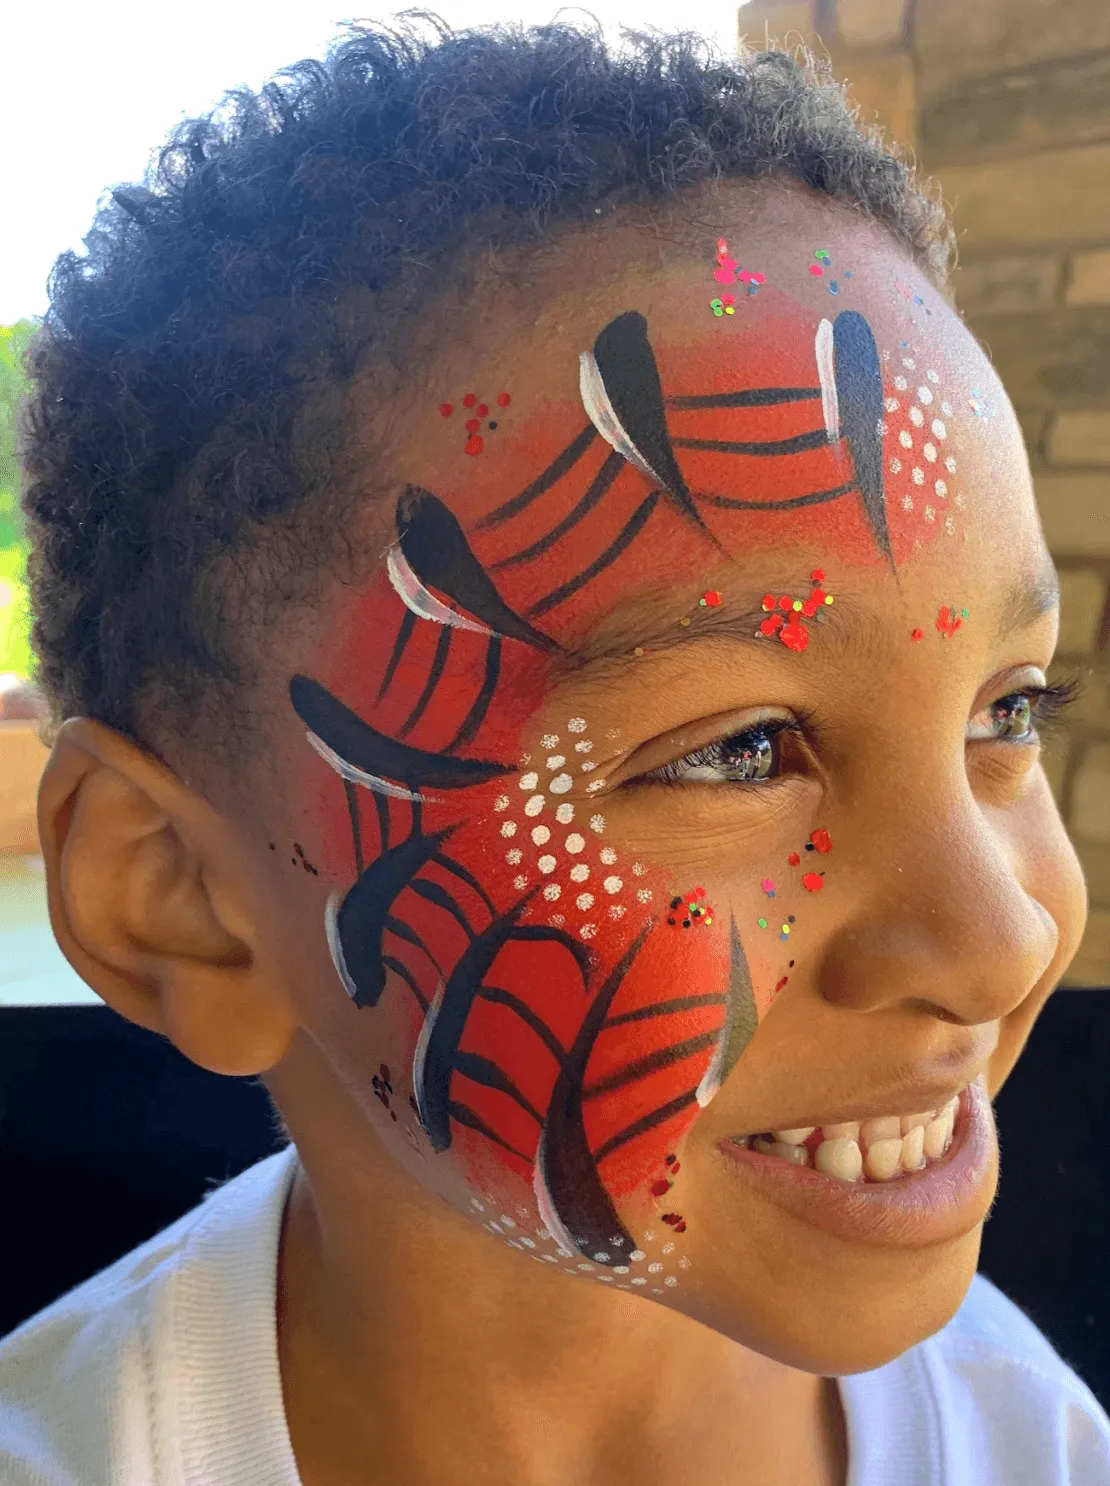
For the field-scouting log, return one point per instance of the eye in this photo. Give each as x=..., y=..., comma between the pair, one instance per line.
x=1021, y=716
x=746, y=757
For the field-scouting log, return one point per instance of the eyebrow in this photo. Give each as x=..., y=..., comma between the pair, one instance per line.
x=1030, y=599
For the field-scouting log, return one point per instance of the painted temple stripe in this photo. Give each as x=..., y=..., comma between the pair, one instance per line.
x=657, y=1117
x=466, y=1116
x=527, y=1016
x=769, y=448
x=404, y=634
x=359, y=776
x=406, y=975
x=484, y=1071
x=598, y=487
x=826, y=372
x=417, y=598
x=663, y=1008
x=435, y=671
x=356, y=824
x=601, y=413
x=750, y=397
x=608, y=557
x=814, y=498
x=562, y=464
x=433, y=893
x=477, y=714
x=335, y=946
x=643, y=1067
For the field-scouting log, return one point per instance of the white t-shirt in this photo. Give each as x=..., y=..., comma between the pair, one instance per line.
x=163, y=1371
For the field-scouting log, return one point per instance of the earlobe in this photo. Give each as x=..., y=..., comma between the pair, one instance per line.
x=147, y=886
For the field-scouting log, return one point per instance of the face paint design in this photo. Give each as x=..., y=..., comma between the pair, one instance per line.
x=526, y=967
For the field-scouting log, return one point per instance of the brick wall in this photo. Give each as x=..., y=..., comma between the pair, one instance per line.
x=1007, y=104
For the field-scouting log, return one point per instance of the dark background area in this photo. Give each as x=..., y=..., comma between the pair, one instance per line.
x=107, y=1134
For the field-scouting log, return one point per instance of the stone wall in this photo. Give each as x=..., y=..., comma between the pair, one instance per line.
x=1007, y=104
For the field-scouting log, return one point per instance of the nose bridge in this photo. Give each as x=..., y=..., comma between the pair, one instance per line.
x=939, y=914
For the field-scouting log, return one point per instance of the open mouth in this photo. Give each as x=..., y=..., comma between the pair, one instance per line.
x=874, y=1150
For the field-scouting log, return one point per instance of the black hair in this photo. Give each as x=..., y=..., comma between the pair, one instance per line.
x=182, y=412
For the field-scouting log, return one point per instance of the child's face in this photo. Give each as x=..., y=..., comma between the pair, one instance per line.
x=628, y=527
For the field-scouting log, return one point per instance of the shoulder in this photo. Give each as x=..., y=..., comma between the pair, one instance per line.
x=87, y=1386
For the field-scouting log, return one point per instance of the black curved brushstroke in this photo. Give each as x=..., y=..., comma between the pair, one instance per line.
x=477, y=714
x=364, y=913
x=407, y=976
x=560, y=466
x=633, y=527
x=801, y=443
x=750, y=397
x=434, y=893
x=382, y=806
x=742, y=1017
x=648, y=1122
x=404, y=634
x=567, y=1166
x=650, y=1063
x=350, y=794
x=440, y=556
x=458, y=870
x=677, y=1005
x=500, y=997
x=431, y=681
x=462, y=989
x=814, y=498
x=357, y=743
x=859, y=391
x=406, y=932
x=599, y=485
x=480, y=1070
x=466, y=1116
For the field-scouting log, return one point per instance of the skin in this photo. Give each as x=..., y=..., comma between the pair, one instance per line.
x=950, y=906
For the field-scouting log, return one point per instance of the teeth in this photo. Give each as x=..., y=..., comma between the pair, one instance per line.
x=879, y=1149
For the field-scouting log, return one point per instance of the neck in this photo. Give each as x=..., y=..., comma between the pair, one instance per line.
x=411, y=1343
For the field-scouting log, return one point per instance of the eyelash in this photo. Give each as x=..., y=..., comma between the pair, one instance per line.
x=1046, y=704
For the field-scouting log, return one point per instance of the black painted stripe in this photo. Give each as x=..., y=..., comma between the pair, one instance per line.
x=484, y=1071
x=608, y=557
x=443, y=648
x=601, y=483
x=640, y=1127
x=466, y=1116
x=408, y=624
x=528, y=1016
x=751, y=397
x=432, y=892
x=477, y=714
x=551, y=476
x=769, y=448
x=651, y=1063
x=406, y=975
x=664, y=1008
x=814, y=498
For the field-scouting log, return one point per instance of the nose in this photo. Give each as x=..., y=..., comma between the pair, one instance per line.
x=940, y=917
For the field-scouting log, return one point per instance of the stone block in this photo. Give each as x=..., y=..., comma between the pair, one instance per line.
x=1045, y=359
x=1082, y=604
x=1079, y=439
x=870, y=22
x=1089, y=816
x=955, y=40
x=1075, y=514
x=1048, y=199
x=1090, y=279
x=1008, y=286
x=1050, y=104
x=1091, y=966
x=885, y=90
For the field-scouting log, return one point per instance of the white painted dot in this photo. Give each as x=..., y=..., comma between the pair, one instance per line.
x=588, y=768
x=529, y=781
x=907, y=503
x=593, y=788
x=909, y=363
x=655, y=1268
x=534, y=805
x=513, y=857
x=525, y=760
x=606, y=1279
x=941, y=488
x=616, y=1241
x=520, y=883
x=494, y=1227
x=584, y=901
x=668, y=1248
x=892, y=404
x=585, y=1266
x=541, y=835
x=637, y=1254
x=560, y=784
x=939, y=429
x=616, y=911
x=949, y=525
x=670, y=1280
x=946, y=409
x=917, y=474
x=958, y=501
x=613, y=884
x=656, y=1291
x=564, y=813
x=924, y=396
x=602, y=1258
x=584, y=747
x=550, y=1259
x=932, y=377
x=556, y=761
x=575, y=843
x=501, y=803
x=608, y=855
x=620, y=1269
x=649, y=1235
x=640, y=1281
x=896, y=466
x=917, y=417
x=546, y=864
x=552, y=892
x=930, y=513
x=475, y=1203
x=558, y=920
x=576, y=725
x=597, y=823
x=684, y=1262
x=508, y=828
x=587, y=931
x=638, y=869
x=905, y=438
x=644, y=894
x=950, y=465
x=930, y=453
x=508, y=1222
x=579, y=872
x=549, y=740
x=901, y=383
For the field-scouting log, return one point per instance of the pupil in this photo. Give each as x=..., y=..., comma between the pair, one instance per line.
x=1014, y=716
x=753, y=760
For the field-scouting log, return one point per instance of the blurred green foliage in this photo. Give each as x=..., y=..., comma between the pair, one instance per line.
x=15, y=650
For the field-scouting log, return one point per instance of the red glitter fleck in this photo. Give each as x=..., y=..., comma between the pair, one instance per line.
x=809, y=607
x=781, y=983
x=482, y=410
x=673, y=1219
x=917, y=634
x=769, y=601
x=660, y=1188
x=818, y=575
x=474, y=444
x=818, y=596
x=470, y=399
x=680, y=1228
x=769, y=626
x=699, y=892
x=794, y=636
x=503, y=399
x=820, y=840
x=712, y=598
x=948, y=622
x=794, y=859
x=816, y=270
x=786, y=602
x=813, y=882
x=473, y=425
x=446, y=409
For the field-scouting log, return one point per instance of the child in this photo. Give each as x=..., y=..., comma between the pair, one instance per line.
x=549, y=625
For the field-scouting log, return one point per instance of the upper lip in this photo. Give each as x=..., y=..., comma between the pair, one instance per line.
x=904, y=1100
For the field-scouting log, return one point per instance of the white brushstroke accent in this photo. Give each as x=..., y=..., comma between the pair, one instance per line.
x=359, y=776
x=423, y=604
x=331, y=929
x=549, y=1215
x=826, y=371
x=602, y=415
x=710, y=1084
x=421, y=1052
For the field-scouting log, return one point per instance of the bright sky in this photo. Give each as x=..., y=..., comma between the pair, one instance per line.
x=90, y=86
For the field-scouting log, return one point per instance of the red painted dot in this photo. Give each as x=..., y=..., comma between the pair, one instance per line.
x=781, y=983
x=809, y=608
x=818, y=596
x=794, y=859
x=470, y=399
x=769, y=626
x=482, y=410
x=917, y=634
x=503, y=399
x=820, y=840
x=813, y=882
x=473, y=425
x=680, y=1228
x=786, y=602
x=818, y=575
x=769, y=601
x=794, y=636
x=446, y=409
x=816, y=270
x=712, y=598
x=660, y=1188
x=699, y=892
x=474, y=444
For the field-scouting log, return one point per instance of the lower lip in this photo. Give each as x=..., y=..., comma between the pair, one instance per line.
x=943, y=1201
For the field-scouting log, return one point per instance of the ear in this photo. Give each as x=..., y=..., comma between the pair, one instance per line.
x=153, y=898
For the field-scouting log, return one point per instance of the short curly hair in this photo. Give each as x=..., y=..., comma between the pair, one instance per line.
x=181, y=410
